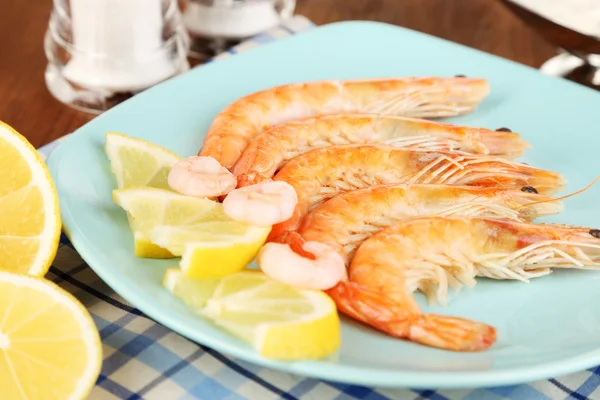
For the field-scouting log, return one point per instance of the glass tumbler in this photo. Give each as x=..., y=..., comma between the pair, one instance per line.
x=102, y=52
x=216, y=25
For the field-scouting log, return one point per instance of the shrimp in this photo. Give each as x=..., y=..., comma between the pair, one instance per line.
x=426, y=253
x=273, y=148
x=343, y=222
x=346, y=220
x=323, y=271
x=263, y=204
x=239, y=123
x=201, y=177
x=323, y=173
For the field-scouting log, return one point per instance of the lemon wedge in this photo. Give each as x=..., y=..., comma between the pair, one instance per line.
x=29, y=216
x=210, y=243
x=152, y=207
x=49, y=345
x=193, y=292
x=149, y=207
x=278, y=320
x=212, y=249
x=137, y=162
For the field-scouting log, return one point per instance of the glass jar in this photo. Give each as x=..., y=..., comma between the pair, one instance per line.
x=215, y=25
x=101, y=52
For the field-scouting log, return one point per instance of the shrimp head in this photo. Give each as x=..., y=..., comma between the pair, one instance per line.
x=281, y=263
x=201, y=176
x=263, y=204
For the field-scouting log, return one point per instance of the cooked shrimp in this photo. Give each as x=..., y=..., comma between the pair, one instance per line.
x=322, y=173
x=201, y=177
x=322, y=271
x=428, y=253
x=346, y=220
x=239, y=123
x=272, y=148
x=263, y=204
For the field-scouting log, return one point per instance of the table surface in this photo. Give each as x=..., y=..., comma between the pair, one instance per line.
x=26, y=104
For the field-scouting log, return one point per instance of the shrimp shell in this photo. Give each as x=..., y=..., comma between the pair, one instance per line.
x=271, y=149
x=428, y=253
x=348, y=219
x=240, y=122
x=323, y=173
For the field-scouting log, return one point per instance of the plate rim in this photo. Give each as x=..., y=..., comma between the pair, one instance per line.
x=353, y=375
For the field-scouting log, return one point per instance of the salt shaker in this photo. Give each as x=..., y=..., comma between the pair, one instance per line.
x=101, y=52
x=215, y=25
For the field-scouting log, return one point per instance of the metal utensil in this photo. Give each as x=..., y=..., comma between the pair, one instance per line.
x=579, y=53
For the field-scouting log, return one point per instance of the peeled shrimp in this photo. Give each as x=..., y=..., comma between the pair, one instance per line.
x=345, y=221
x=238, y=124
x=427, y=253
x=263, y=204
x=322, y=271
x=201, y=177
x=274, y=147
x=323, y=173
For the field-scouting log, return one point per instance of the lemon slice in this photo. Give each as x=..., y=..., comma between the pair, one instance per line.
x=278, y=320
x=193, y=292
x=211, y=244
x=137, y=162
x=29, y=216
x=150, y=207
x=212, y=249
x=49, y=345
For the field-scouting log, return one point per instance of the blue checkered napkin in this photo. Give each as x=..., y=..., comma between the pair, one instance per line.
x=145, y=360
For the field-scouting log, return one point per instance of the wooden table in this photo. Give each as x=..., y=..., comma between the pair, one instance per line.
x=26, y=104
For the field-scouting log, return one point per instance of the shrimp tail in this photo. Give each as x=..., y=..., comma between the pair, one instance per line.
x=451, y=333
x=383, y=313
x=296, y=242
x=279, y=232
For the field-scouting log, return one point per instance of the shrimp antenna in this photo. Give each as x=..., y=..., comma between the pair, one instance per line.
x=565, y=196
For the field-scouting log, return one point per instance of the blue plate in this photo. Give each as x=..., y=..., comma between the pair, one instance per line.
x=546, y=328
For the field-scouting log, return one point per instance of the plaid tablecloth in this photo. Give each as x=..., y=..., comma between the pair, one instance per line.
x=145, y=360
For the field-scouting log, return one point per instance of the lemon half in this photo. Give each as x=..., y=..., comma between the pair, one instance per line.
x=29, y=215
x=49, y=346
